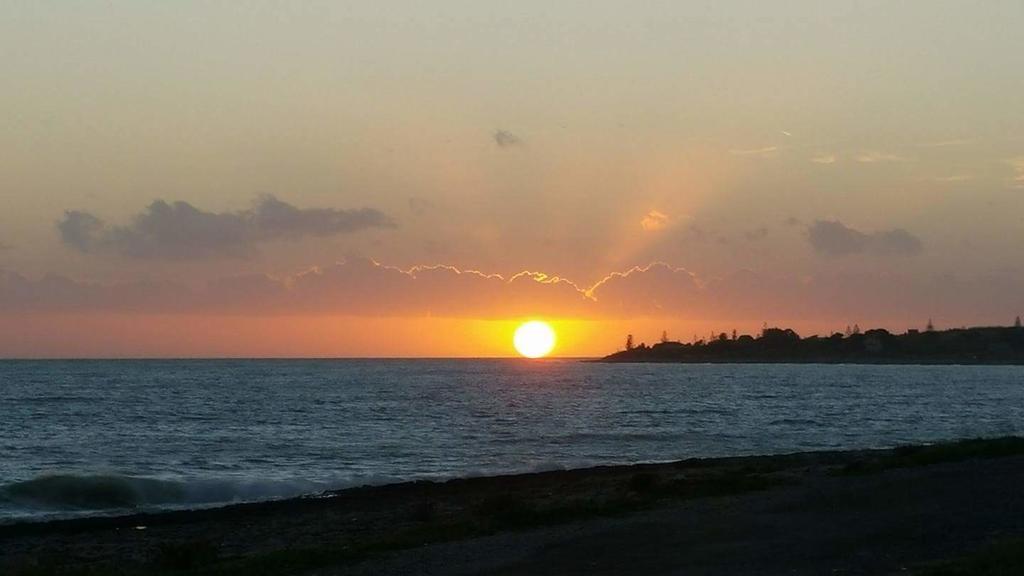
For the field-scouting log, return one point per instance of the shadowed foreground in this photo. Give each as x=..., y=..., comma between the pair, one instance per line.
x=945, y=509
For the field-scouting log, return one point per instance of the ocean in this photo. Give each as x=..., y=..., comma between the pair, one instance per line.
x=108, y=437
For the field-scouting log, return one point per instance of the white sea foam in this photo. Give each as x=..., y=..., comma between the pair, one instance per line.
x=49, y=495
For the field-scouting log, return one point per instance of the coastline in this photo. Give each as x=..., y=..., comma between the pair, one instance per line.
x=361, y=530
x=992, y=345
x=808, y=361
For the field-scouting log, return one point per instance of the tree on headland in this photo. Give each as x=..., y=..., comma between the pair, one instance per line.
x=1016, y=323
x=773, y=336
x=930, y=327
x=734, y=332
x=629, y=342
x=664, y=336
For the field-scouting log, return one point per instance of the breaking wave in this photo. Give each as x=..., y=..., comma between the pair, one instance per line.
x=112, y=491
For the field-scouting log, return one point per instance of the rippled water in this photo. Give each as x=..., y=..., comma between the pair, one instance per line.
x=101, y=436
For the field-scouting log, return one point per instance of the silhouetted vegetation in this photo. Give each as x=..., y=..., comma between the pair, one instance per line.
x=985, y=345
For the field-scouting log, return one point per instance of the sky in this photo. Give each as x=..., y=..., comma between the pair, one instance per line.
x=416, y=179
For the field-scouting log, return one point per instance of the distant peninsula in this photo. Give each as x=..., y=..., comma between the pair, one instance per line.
x=984, y=345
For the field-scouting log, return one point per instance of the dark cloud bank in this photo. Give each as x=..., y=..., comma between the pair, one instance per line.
x=179, y=231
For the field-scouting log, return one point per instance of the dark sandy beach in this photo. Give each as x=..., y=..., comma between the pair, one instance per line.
x=953, y=508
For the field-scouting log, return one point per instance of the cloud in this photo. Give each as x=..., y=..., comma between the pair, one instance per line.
x=360, y=287
x=953, y=178
x=506, y=139
x=55, y=293
x=80, y=230
x=833, y=238
x=756, y=234
x=657, y=288
x=5, y=247
x=765, y=152
x=179, y=231
x=1018, y=168
x=896, y=241
x=364, y=287
x=824, y=159
x=420, y=206
x=654, y=220
x=876, y=157
x=354, y=287
x=947, y=143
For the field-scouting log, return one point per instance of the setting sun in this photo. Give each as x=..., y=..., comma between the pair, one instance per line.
x=534, y=339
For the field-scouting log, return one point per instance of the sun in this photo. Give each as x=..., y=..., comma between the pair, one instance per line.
x=534, y=339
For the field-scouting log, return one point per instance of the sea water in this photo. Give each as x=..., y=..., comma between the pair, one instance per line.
x=103, y=437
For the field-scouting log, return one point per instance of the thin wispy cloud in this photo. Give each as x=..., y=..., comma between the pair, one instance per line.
x=947, y=143
x=875, y=157
x=953, y=178
x=765, y=152
x=824, y=159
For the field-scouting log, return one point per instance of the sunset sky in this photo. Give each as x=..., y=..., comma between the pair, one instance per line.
x=416, y=179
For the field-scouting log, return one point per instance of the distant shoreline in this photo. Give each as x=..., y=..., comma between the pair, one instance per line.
x=960, y=346
x=826, y=362
x=362, y=528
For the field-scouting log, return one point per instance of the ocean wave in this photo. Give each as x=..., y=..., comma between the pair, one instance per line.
x=114, y=491
x=93, y=492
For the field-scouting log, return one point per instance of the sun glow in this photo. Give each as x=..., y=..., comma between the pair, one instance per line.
x=534, y=339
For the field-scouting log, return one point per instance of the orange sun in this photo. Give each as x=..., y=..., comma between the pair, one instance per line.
x=534, y=339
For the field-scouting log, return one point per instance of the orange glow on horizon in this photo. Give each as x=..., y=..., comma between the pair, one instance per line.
x=160, y=336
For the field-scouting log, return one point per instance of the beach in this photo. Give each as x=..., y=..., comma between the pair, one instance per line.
x=923, y=509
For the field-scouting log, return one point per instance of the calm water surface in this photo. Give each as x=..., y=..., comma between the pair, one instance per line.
x=87, y=437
